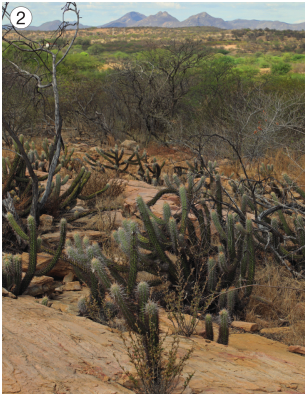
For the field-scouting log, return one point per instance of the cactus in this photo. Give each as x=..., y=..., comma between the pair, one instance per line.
x=219, y=196
x=66, y=158
x=114, y=157
x=222, y=299
x=155, y=171
x=118, y=295
x=15, y=175
x=45, y=301
x=251, y=257
x=35, y=245
x=209, y=327
x=11, y=271
x=211, y=274
x=231, y=298
x=293, y=185
x=223, y=327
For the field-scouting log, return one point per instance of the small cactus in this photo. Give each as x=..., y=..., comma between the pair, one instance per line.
x=82, y=306
x=223, y=327
x=45, y=301
x=209, y=327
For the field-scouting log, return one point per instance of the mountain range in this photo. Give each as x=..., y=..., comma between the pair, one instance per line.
x=53, y=25
x=164, y=19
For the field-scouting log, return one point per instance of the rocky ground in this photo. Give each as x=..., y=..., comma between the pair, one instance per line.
x=49, y=351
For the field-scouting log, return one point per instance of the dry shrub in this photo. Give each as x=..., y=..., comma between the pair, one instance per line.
x=298, y=68
x=280, y=303
x=98, y=181
x=290, y=162
x=159, y=149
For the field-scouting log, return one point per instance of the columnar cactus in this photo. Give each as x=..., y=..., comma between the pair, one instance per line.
x=209, y=327
x=11, y=271
x=231, y=298
x=223, y=327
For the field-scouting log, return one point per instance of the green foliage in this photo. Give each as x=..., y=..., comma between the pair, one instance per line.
x=280, y=68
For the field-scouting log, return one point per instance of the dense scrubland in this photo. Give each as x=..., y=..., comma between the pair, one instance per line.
x=216, y=123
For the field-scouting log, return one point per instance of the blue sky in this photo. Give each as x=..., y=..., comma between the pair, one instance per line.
x=98, y=13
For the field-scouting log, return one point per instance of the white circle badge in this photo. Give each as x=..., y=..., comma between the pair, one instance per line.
x=21, y=17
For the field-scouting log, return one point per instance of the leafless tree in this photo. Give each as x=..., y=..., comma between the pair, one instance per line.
x=148, y=90
x=44, y=72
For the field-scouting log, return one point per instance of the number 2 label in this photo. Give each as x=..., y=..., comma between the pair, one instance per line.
x=21, y=17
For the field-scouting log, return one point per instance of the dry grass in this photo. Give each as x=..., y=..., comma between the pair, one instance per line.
x=292, y=163
x=281, y=305
x=98, y=181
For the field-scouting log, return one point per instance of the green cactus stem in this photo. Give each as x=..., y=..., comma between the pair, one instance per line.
x=292, y=184
x=143, y=296
x=223, y=328
x=209, y=327
x=32, y=257
x=216, y=222
x=219, y=197
x=211, y=274
x=222, y=299
x=55, y=258
x=251, y=257
x=231, y=298
x=119, y=298
x=285, y=226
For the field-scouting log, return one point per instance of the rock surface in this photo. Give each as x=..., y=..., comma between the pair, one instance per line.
x=46, y=351
x=6, y=293
x=41, y=285
x=297, y=349
x=247, y=326
x=55, y=236
x=129, y=144
x=61, y=268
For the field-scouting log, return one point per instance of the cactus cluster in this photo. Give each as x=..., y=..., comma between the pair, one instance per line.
x=11, y=271
x=115, y=159
x=103, y=276
x=151, y=174
x=19, y=185
x=224, y=321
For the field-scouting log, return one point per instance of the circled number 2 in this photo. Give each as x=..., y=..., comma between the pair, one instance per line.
x=23, y=16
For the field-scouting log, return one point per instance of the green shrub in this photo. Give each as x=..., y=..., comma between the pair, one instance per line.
x=264, y=64
x=280, y=68
x=298, y=57
x=95, y=49
x=222, y=51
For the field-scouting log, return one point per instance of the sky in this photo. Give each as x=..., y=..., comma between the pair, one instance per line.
x=99, y=13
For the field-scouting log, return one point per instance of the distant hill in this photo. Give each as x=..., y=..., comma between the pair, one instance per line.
x=255, y=24
x=164, y=19
x=48, y=26
x=128, y=19
x=204, y=19
x=161, y=19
